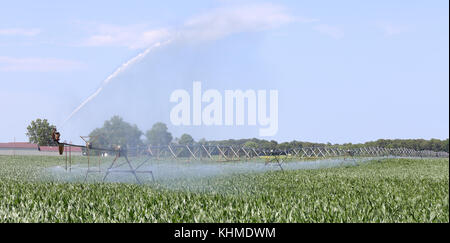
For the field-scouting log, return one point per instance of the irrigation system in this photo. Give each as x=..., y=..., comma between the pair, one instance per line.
x=215, y=153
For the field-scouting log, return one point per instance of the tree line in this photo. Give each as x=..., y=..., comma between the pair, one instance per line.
x=416, y=144
x=116, y=131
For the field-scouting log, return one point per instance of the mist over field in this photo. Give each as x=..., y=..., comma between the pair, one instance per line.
x=167, y=171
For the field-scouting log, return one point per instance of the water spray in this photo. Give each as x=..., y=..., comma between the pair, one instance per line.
x=119, y=151
x=118, y=71
x=175, y=161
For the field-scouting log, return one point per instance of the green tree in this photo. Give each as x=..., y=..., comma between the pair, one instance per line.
x=269, y=144
x=203, y=141
x=251, y=144
x=158, y=135
x=283, y=146
x=186, y=139
x=117, y=132
x=445, y=145
x=40, y=132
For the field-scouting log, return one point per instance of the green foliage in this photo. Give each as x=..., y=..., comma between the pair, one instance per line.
x=391, y=190
x=159, y=135
x=202, y=141
x=251, y=144
x=417, y=144
x=117, y=132
x=186, y=139
x=40, y=132
x=283, y=146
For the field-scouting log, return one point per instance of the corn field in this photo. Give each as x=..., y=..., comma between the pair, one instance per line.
x=384, y=190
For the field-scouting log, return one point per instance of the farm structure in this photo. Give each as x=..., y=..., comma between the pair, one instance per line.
x=24, y=148
x=231, y=153
x=128, y=156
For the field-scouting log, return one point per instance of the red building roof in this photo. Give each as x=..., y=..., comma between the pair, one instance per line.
x=31, y=146
x=18, y=145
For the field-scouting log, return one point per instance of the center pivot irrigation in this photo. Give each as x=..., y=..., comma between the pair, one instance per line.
x=215, y=153
x=90, y=150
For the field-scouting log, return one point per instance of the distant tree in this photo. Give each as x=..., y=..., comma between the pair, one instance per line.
x=251, y=144
x=445, y=145
x=40, y=132
x=158, y=135
x=117, y=132
x=272, y=145
x=202, y=141
x=417, y=144
x=283, y=146
x=186, y=139
x=296, y=144
x=435, y=144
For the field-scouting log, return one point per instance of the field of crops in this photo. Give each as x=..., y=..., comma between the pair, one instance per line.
x=389, y=190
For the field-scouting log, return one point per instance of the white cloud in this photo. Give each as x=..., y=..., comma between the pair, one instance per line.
x=227, y=21
x=19, y=32
x=11, y=64
x=132, y=37
x=329, y=30
x=390, y=29
x=217, y=23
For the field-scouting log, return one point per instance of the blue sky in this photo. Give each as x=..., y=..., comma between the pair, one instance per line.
x=346, y=71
